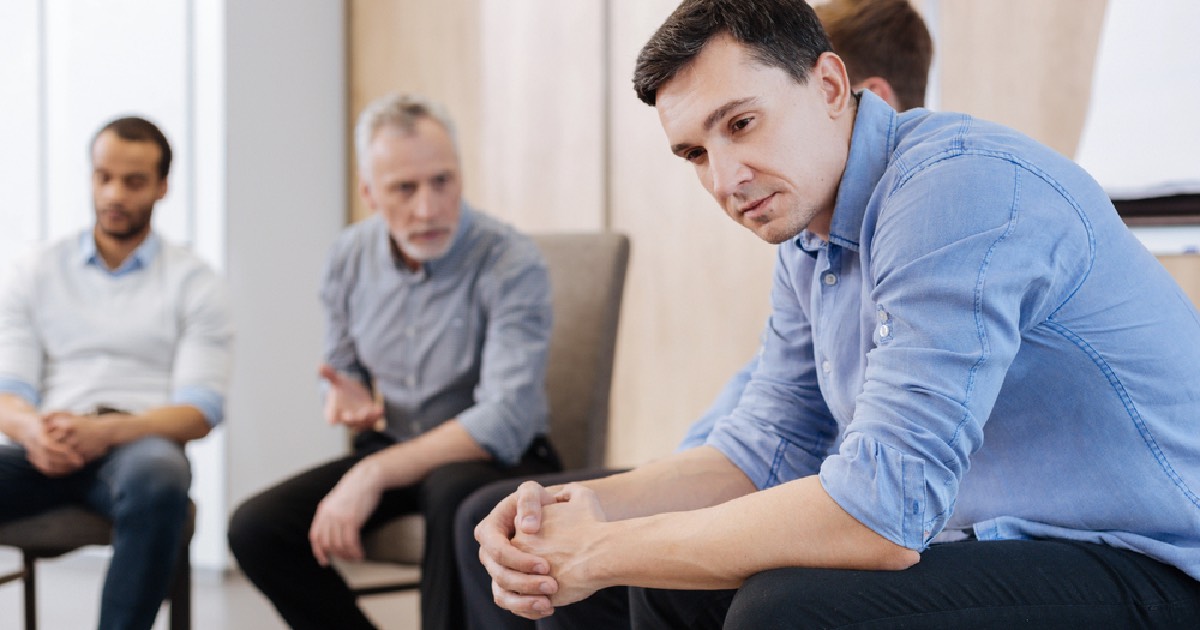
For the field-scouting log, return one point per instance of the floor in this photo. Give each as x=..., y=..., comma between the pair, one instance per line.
x=219, y=602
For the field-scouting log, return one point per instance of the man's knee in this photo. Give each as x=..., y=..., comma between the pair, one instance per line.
x=480, y=503
x=777, y=599
x=444, y=489
x=153, y=475
x=249, y=529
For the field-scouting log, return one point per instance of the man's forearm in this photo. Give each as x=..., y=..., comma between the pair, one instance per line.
x=406, y=463
x=687, y=480
x=181, y=423
x=793, y=525
x=17, y=417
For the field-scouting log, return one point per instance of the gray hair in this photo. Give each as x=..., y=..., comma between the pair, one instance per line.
x=402, y=111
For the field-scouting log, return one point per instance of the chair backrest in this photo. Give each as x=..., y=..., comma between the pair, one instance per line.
x=587, y=278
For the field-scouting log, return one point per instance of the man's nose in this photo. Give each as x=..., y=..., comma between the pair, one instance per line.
x=113, y=192
x=727, y=172
x=425, y=206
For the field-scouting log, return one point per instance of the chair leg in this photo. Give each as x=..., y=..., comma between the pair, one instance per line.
x=180, y=594
x=30, y=591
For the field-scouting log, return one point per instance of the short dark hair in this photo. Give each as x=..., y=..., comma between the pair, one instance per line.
x=138, y=129
x=881, y=38
x=784, y=34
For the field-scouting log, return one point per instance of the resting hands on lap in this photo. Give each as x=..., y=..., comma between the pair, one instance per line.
x=46, y=450
x=534, y=544
x=86, y=435
x=337, y=526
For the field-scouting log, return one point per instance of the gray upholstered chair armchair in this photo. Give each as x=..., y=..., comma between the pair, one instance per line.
x=587, y=277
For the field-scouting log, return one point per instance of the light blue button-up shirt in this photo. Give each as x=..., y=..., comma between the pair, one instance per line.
x=981, y=343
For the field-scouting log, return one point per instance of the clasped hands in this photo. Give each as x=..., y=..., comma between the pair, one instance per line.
x=63, y=442
x=540, y=547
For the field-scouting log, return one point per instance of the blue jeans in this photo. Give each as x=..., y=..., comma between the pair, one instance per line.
x=143, y=488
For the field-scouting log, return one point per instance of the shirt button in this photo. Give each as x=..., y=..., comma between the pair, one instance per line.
x=884, y=330
x=826, y=366
x=830, y=278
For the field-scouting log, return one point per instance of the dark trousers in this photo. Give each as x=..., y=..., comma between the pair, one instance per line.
x=268, y=535
x=607, y=609
x=1000, y=585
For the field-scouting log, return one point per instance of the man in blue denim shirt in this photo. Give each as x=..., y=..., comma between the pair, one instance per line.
x=970, y=363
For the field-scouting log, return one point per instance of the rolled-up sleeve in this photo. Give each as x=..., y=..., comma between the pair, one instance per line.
x=204, y=357
x=957, y=273
x=21, y=351
x=510, y=400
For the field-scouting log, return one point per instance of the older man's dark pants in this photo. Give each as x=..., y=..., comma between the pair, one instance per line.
x=998, y=585
x=268, y=535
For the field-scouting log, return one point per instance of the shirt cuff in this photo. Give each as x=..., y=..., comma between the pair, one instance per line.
x=209, y=402
x=21, y=389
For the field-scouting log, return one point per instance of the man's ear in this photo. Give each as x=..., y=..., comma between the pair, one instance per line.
x=830, y=72
x=364, y=191
x=882, y=89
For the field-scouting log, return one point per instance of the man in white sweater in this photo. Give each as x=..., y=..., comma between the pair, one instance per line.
x=114, y=352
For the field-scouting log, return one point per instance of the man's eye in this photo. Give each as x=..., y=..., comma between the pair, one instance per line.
x=693, y=155
x=741, y=123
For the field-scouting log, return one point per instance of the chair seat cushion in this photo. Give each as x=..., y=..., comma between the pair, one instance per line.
x=399, y=540
x=57, y=532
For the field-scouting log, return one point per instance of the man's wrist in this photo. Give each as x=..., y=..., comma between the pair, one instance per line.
x=601, y=567
x=368, y=474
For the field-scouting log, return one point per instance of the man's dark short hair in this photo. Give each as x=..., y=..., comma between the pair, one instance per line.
x=785, y=34
x=137, y=129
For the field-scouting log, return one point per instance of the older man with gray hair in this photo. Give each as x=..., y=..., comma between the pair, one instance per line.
x=438, y=322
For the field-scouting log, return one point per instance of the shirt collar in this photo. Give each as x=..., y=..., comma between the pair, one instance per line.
x=870, y=145
x=139, y=259
x=458, y=246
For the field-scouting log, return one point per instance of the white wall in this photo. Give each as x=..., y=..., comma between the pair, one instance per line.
x=285, y=166
x=20, y=126
x=1140, y=136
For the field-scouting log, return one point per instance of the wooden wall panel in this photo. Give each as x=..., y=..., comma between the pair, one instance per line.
x=1185, y=268
x=543, y=110
x=423, y=46
x=523, y=80
x=1023, y=63
x=697, y=293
